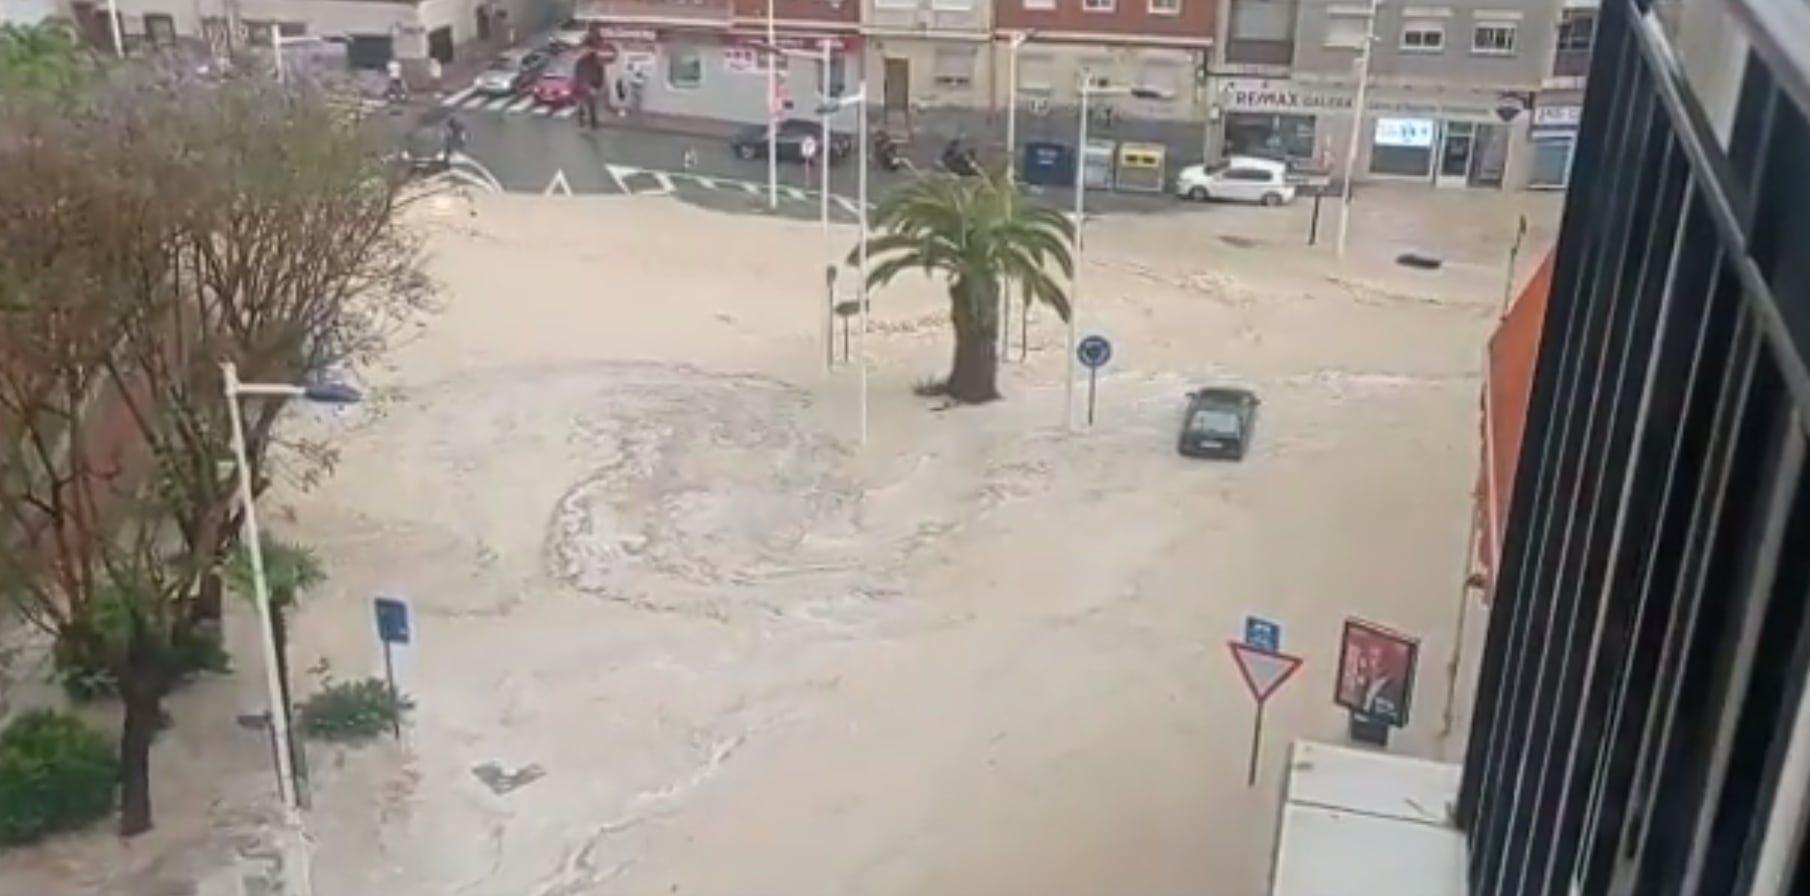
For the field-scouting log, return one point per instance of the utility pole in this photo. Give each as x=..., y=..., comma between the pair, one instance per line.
x=1359, y=106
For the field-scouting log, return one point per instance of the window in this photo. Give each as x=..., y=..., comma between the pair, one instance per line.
x=836, y=83
x=1034, y=73
x=1097, y=5
x=1097, y=71
x=1577, y=29
x=1039, y=4
x=1423, y=36
x=1494, y=38
x=1165, y=7
x=1162, y=74
x=684, y=67
x=952, y=5
x=953, y=66
x=1348, y=31
x=160, y=30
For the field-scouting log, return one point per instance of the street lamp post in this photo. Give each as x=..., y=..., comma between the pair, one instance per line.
x=113, y=28
x=1013, y=44
x=1359, y=106
x=859, y=99
x=1088, y=91
x=773, y=107
x=296, y=865
x=824, y=147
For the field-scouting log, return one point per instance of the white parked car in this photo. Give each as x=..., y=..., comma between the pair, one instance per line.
x=1237, y=179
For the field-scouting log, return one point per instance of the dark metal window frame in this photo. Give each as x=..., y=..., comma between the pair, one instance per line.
x=1650, y=636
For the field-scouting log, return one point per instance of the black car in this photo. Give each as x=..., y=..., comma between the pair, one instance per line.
x=751, y=142
x=1219, y=423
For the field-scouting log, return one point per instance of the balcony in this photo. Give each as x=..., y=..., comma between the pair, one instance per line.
x=702, y=12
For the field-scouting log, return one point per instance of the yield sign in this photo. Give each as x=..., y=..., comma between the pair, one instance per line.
x=1264, y=671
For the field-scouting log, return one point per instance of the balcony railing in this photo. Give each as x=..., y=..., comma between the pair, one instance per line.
x=700, y=11
x=1648, y=653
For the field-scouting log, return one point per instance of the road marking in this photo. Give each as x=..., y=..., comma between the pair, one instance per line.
x=543, y=111
x=459, y=97
x=848, y=205
x=663, y=180
x=518, y=105
x=795, y=193
x=750, y=187
x=567, y=112
x=496, y=104
x=617, y=173
x=708, y=183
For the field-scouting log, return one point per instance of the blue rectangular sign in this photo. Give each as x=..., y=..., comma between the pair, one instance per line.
x=1262, y=634
x=392, y=620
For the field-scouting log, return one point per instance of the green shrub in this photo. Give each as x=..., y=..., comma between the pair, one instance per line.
x=83, y=674
x=352, y=711
x=56, y=774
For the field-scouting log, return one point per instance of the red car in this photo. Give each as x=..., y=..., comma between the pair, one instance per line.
x=558, y=85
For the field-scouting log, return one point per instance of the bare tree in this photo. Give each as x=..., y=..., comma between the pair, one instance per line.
x=221, y=220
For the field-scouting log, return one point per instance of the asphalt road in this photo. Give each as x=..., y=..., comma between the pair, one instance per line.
x=513, y=149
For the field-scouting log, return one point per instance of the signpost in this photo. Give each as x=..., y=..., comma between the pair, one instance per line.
x=1263, y=634
x=1093, y=352
x=1375, y=679
x=1264, y=672
x=392, y=629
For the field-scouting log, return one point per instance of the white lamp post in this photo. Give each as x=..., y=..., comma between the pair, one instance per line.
x=859, y=99
x=119, y=40
x=828, y=106
x=1088, y=91
x=296, y=865
x=1360, y=104
x=1013, y=45
x=773, y=108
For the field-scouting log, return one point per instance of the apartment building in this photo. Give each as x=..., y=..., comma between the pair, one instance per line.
x=708, y=58
x=1461, y=93
x=376, y=30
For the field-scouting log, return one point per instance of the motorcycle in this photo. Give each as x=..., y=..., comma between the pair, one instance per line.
x=960, y=159
x=887, y=150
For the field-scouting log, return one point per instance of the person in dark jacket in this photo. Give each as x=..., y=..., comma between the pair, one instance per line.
x=588, y=77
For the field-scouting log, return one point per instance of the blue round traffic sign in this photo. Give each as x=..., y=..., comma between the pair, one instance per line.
x=1094, y=351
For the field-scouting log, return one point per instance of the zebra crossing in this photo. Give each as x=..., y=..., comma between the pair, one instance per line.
x=635, y=181
x=471, y=100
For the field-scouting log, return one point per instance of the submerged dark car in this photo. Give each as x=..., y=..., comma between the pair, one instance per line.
x=1219, y=423
x=751, y=142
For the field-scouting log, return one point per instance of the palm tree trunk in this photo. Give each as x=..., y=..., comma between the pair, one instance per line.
x=974, y=373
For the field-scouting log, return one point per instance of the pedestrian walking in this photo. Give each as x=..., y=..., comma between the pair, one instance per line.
x=434, y=71
x=397, y=90
x=587, y=75
x=622, y=95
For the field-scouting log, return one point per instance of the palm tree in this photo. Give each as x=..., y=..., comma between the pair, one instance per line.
x=978, y=233
x=289, y=570
x=37, y=57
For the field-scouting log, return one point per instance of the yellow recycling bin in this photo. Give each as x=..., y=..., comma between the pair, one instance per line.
x=1141, y=167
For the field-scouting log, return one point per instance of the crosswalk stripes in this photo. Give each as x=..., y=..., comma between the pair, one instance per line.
x=650, y=182
x=471, y=100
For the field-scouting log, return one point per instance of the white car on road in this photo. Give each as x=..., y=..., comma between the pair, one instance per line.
x=1237, y=179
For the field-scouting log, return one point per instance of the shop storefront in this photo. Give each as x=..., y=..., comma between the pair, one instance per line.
x=1553, y=138
x=1447, y=137
x=721, y=73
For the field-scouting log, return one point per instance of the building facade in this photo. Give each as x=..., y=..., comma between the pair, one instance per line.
x=1642, y=722
x=1460, y=92
x=376, y=30
x=707, y=58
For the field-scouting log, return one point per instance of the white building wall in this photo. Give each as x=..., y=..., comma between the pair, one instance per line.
x=26, y=12
x=320, y=16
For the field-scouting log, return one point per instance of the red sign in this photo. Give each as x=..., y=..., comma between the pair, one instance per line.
x=1376, y=672
x=1264, y=671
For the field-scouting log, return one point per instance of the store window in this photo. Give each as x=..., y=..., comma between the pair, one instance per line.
x=684, y=67
x=1286, y=138
x=160, y=30
x=1403, y=146
x=1346, y=31
x=1550, y=168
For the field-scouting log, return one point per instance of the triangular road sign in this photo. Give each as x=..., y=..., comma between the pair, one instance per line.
x=558, y=186
x=1264, y=671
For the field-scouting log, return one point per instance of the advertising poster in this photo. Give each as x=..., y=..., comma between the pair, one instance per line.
x=1376, y=672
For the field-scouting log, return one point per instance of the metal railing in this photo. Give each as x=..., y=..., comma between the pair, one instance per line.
x=1637, y=726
